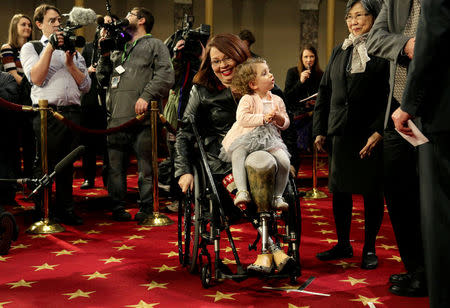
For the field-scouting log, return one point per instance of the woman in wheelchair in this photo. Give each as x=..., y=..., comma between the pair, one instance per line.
x=212, y=107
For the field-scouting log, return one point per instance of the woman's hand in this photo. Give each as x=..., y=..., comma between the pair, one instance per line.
x=371, y=143
x=305, y=75
x=320, y=143
x=186, y=182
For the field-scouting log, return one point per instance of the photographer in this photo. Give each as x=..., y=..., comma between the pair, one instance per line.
x=58, y=76
x=135, y=74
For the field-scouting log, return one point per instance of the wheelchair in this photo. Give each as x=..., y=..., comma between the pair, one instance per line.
x=202, y=220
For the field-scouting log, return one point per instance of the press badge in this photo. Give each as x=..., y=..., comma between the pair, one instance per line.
x=115, y=82
x=120, y=69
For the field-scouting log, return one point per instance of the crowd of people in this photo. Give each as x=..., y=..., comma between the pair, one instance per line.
x=390, y=69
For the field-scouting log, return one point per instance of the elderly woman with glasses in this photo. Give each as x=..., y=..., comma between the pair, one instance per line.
x=349, y=113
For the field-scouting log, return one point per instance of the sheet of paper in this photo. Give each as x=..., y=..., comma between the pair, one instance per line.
x=418, y=137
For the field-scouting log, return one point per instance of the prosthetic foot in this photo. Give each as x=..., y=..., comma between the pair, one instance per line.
x=283, y=262
x=263, y=264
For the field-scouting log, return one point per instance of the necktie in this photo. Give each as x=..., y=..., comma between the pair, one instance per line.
x=401, y=72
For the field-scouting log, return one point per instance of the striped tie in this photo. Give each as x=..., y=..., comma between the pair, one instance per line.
x=401, y=72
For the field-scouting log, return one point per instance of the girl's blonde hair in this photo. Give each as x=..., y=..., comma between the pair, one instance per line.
x=13, y=36
x=244, y=74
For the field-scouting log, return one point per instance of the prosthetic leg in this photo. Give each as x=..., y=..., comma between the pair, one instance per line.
x=261, y=169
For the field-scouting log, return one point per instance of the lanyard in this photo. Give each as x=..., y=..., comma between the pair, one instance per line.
x=127, y=57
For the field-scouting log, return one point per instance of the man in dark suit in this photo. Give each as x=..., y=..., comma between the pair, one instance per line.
x=427, y=95
x=393, y=37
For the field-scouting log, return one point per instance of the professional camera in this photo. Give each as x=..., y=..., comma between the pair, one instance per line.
x=191, y=37
x=116, y=36
x=71, y=40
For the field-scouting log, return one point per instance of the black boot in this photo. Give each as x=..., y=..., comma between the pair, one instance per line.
x=119, y=213
x=337, y=252
x=145, y=210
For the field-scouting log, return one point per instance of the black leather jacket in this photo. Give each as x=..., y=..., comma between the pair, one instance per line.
x=215, y=113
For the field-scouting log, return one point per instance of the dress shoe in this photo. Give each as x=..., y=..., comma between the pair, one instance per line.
x=335, y=253
x=416, y=288
x=121, y=215
x=400, y=279
x=87, y=184
x=369, y=261
x=69, y=218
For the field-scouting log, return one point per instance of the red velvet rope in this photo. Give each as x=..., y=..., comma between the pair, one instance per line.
x=10, y=106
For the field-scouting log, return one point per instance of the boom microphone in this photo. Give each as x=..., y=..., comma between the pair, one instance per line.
x=81, y=16
x=69, y=159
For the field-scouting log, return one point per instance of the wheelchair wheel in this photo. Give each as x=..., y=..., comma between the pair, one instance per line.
x=294, y=219
x=8, y=232
x=188, y=223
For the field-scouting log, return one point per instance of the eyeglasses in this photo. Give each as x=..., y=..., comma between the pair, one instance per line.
x=225, y=61
x=357, y=17
x=131, y=13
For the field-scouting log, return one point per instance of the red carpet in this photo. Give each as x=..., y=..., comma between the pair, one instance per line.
x=114, y=264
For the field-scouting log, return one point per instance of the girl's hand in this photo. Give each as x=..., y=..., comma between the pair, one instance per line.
x=279, y=119
x=268, y=117
x=371, y=143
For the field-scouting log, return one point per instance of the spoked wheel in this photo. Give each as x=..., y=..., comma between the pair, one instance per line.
x=189, y=228
x=294, y=220
x=8, y=232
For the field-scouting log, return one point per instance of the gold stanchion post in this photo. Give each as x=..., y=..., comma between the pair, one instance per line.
x=156, y=219
x=315, y=193
x=44, y=226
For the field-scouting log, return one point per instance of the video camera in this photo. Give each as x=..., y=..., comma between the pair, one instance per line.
x=116, y=36
x=71, y=40
x=191, y=37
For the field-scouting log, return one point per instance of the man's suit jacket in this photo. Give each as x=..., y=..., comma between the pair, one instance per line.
x=427, y=91
x=386, y=39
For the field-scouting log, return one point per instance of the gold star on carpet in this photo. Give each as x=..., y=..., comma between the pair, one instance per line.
x=380, y=237
x=154, y=284
x=164, y=268
x=38, y=236
x=44, y=266
x=175, y=243
x=96, y=275
x=78, y=293
x=124, y=247
x=63, y=252
x=93, y=232
x=387, y=247
x=235, y=230
x=313, y=210
x=219, y=296
x=354, y=281
x=104, y=224
x=359, y=220
x=316, y=216
x=329, y=240
x=79, y=241
x=325, y=231
x=3, y=259
x=321, y=223
x=143, y=304
x=19, y=246
x=112, y=260
x=144, y=229
x=309, y=203
x=293, y=306
x=4, y=303
x=170, y=254
x=356, y=214
x=365, y=300
x=21, y=283
x=228, y=261
x=132, y=237
x=346, y=265
x=91, y=194
x=395, y=258
x=362, y=228
x=229, y=249
x=236, y=238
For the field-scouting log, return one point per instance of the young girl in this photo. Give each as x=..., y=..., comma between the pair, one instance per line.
x=259, y=117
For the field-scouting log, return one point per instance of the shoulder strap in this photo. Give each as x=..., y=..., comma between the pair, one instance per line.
x=38, y=46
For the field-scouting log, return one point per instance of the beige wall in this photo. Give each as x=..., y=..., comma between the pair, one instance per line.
x=275, y=23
